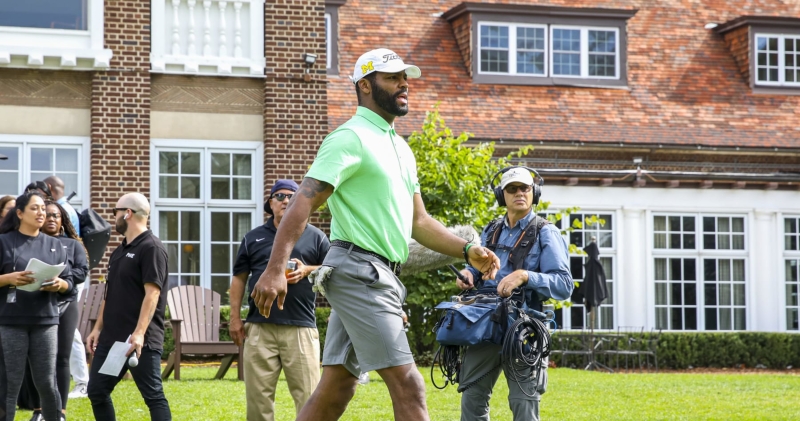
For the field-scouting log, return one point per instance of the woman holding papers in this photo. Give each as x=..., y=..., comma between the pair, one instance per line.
x=57, y=224
x=29, y=319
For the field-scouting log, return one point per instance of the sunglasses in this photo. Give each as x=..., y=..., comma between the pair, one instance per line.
x=513, y=189
x=282, y=196
x=115, y=210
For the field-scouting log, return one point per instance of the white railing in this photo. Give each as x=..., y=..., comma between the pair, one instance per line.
x=211, y=37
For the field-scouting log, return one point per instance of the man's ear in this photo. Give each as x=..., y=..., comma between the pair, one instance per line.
x=364, y=86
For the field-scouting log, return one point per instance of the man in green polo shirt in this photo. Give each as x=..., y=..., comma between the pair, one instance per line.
x=367, y=174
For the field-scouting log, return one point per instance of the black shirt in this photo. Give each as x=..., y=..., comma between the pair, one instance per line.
x=79, y=266
x=31, y=307
x=131, y=266
x=253, y=257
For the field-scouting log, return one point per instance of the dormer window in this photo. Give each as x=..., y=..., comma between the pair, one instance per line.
x=542, y=45
x=777, y=60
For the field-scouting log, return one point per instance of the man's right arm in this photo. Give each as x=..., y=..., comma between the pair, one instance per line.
x=272, y=283
x=236, y=327
x=91, y=340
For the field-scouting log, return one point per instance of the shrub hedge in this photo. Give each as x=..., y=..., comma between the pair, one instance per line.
x=676, y=350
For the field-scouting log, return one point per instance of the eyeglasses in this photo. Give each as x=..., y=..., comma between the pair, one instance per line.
x=55, y=216
x=115, y=210
x=282, y=196
x=513, y=189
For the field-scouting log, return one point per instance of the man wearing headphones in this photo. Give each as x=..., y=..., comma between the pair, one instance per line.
x=542, y=272
x=289, y=339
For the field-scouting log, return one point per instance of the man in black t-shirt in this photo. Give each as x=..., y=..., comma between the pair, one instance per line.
x=132, y=311
x=289, y=339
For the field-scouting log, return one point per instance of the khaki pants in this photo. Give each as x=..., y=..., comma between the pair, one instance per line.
x=270, y=348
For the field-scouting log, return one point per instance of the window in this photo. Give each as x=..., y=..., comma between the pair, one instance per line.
x=206, y=196
x=542, y=45
x=791, y=262
x=588, y=227
x=699, y=272
x=777, y=60
x=32, y=158
x=52, y=14
x=332, y=35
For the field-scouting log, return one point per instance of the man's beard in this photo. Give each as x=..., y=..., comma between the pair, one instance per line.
x=388, y=102
x=121, y=226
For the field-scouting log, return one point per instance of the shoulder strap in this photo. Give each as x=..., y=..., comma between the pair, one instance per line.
x=492, y=232
x=526, y=241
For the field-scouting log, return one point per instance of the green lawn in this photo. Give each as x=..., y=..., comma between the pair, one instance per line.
x=572, y=395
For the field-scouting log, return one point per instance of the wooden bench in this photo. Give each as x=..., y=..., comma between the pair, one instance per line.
x=194, y=316
x=89, y=310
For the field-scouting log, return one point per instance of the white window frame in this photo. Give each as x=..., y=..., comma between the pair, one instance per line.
x=65, y=49
x=25, y=142
x=787, y=255
x=781, y=60
x=328, y=40
x=205, y=205
x=512, y=48
x=699, y=253
x=584, y=53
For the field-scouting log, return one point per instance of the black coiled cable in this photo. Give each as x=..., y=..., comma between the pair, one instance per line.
x=449, y=363
x=525, y=345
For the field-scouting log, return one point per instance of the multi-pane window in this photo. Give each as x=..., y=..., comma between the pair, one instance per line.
x=699, y=272
x=586, y=228
x=34, y=158
x=205, y=200
x=548, y=50
x=50, y=14
x=777, y=60
x=791, y=267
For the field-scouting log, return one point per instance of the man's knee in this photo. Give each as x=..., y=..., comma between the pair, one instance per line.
x=96, y=394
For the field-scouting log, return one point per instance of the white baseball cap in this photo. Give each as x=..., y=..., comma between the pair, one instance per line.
x=382, y=60
x=516, y=175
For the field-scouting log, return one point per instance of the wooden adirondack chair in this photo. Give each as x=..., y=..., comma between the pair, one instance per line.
x=89, y=309
x=194, y=315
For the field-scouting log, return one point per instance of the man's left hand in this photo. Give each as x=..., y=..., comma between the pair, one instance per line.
x=137, y=341
x=512, y=281
x=484, y=260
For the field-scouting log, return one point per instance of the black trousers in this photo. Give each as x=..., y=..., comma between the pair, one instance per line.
x=147, y=376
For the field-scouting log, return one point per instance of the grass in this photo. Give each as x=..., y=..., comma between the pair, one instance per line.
x=572, y=395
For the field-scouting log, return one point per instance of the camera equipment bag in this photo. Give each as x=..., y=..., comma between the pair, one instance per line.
x=472, y=320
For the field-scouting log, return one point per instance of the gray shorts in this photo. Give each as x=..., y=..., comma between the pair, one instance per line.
x=365, y=331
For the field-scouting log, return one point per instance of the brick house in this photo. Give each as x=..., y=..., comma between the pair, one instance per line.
x=677, y=123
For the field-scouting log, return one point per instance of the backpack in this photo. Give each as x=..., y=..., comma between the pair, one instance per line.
x=95, y=233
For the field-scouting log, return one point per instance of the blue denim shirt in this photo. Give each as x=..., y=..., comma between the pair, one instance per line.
x=550, y=255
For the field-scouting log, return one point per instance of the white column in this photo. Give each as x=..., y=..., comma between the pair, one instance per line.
x=207, y=29
x=191, y=51
x=633, y=282
x=223, y=40
x=176, y=28
x=237, y=39
x=764, y=307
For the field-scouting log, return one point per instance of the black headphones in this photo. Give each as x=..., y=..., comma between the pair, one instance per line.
x=498, y=192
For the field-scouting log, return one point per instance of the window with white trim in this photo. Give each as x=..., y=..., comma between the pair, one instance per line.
x=588, y=227
x=700, y=273
x=791, y=263
x=50, y=14
x=777, y=60
x=206, y=197
x=34, y=158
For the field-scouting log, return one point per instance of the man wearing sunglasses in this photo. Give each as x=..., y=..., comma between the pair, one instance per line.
x=288, y=340
x=540, y=274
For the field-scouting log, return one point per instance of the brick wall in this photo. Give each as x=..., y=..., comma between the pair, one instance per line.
x=120, y=155
x=295, y=110
x=738, y=41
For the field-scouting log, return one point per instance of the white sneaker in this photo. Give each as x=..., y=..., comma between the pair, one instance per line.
x=78, y=392
x=363, y=378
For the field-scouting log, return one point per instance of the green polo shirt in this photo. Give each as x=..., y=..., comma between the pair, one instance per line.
x=374, y=176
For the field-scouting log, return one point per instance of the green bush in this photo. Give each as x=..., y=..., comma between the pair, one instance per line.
x=679, y=350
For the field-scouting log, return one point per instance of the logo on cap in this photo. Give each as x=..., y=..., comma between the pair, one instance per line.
x=367, y=68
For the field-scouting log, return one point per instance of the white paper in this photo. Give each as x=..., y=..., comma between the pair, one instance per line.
x=116, y=358
x=41, y=272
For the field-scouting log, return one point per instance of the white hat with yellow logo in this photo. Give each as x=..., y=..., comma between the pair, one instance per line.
x=382, y=60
